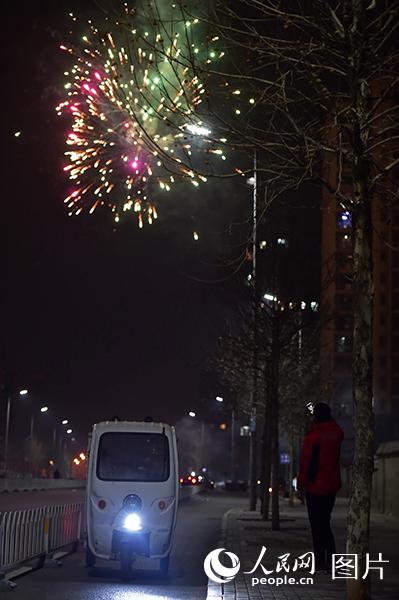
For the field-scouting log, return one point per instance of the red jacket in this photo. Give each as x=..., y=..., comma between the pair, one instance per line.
x=319, y=467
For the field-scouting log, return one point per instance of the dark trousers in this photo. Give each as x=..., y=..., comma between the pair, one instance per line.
x=319, y=511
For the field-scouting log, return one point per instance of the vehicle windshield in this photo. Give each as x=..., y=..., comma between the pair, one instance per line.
x=124, y=456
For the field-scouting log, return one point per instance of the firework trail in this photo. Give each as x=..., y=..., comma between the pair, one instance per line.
x=134, y=106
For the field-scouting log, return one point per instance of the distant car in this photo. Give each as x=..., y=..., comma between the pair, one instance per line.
x=191, y=480
x=236, y=486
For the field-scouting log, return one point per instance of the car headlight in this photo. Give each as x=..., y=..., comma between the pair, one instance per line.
x=132, y=522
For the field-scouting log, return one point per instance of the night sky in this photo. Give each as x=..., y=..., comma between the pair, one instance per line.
x=97, y=321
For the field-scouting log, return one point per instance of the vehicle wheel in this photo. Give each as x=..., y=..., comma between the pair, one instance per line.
x=164, y=566
x=126, y=562
x=90, y=558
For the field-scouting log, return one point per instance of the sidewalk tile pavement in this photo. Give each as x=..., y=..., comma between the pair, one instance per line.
x=244, y=533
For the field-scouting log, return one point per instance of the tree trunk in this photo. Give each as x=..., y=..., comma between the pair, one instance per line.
x=291, y=470
x=362, y=469
x=253, y=454
x=266, y=451
x=275, y=358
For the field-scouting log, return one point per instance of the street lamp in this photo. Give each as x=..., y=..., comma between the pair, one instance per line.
x=193, y=414
x=43, y=409
x=7, y=429
x=69, y=431
x=220, y=399
x=253, y=459
x=64, y=422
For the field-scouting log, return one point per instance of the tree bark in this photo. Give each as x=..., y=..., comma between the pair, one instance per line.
x=275, y=358
x=362, y=470
x=266, y=451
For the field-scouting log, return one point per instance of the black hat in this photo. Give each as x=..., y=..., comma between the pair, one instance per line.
x=322, y=412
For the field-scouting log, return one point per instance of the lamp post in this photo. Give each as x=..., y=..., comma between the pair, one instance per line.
x=7, y=428
x=64, y=422
x=193, y=415
x=43, y=410
x=253, y=446
x=232, y=440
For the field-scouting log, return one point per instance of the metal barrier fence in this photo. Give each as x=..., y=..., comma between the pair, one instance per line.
x=38, y=532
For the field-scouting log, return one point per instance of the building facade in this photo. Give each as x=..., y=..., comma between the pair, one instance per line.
x=337, y=309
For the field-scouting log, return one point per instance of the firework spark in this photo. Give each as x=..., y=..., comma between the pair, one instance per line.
x=136, y=129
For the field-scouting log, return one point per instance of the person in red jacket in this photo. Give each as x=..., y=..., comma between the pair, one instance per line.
x=320, y=477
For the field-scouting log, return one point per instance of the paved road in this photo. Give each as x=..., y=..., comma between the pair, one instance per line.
x=198, y=531
x=21, y=500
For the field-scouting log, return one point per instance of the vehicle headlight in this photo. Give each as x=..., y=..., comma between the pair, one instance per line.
x=132, y=522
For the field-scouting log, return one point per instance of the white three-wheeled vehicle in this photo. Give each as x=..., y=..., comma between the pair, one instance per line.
x=132, y=492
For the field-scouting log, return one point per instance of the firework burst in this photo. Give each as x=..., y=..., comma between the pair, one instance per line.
x=136, y=128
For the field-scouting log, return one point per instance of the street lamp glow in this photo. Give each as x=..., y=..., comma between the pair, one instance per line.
x=219, y=398
x=191, y=414
x=23, y=392
x=69, y=431
x=44, y=409
x=270, y=297
x=64, y=422
x=198, y=130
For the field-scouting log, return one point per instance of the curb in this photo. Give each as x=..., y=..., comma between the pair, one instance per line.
x=216, y=590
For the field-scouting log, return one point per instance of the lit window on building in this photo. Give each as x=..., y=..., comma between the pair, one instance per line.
x=344, y=344
x=344, y=241
x=345, y=220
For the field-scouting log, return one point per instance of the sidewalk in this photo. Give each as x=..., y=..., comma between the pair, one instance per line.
x=244, y=533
